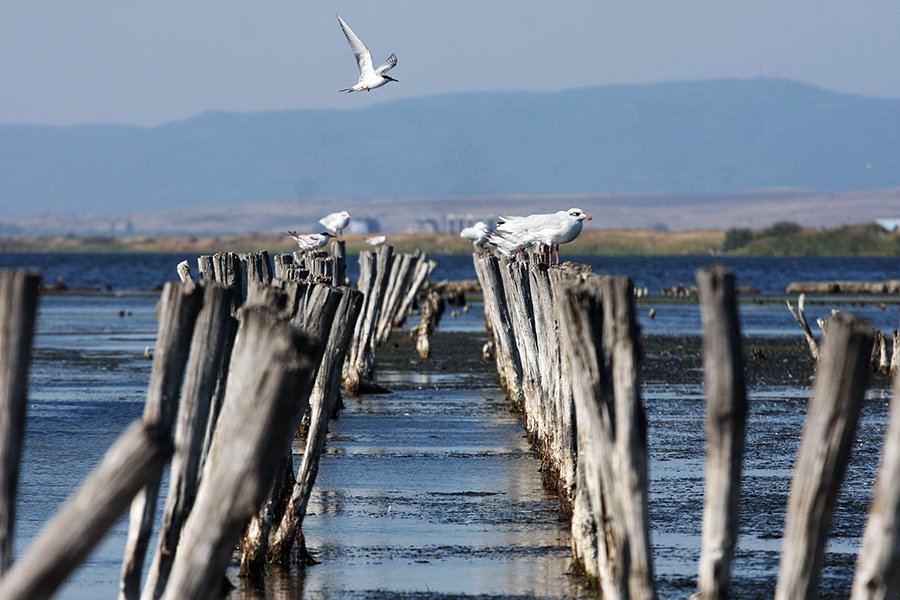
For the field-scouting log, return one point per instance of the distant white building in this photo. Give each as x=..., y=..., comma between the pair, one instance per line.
x=889, y=224
x=363, y=225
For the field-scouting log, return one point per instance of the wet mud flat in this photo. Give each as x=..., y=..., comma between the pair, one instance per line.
x=779, y=376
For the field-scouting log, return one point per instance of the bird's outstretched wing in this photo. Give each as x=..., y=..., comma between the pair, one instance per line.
x=387, y=65
x=363, y=56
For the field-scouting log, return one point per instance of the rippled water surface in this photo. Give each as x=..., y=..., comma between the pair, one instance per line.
x=433, y=489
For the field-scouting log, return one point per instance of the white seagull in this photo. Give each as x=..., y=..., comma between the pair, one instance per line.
x=551, y=230
x=336, y=222
x=369, y=77
x=477, y=234
x=310, y=241
x=376, y=240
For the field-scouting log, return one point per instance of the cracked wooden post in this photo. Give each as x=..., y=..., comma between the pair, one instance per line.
x=339, y=252
x=399, y=280
x=178, y=308
x=877, y=576
x=374, y=269
x=508, y=361
x=600, y=335
x=840, y=384
x=208, y=348
x=18, y=307
x=136, y=458
x=726, y=424
x=517, y=287
x=271, y=367
x=423, y=270
x=567, y=436
x=256, y=273
x=227, y=270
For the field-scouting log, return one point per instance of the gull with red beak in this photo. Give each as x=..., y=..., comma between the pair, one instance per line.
x=550, y=230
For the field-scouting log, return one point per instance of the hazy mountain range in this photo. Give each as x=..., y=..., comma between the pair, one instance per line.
x=674, y=140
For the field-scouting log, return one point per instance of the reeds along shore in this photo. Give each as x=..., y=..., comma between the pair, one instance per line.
x=244, y=353
x=567, y=350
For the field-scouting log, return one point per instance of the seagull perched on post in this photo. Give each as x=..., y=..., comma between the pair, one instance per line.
x=550, y=230
x=369, y=77
x=477, y=234
x=336, y=222
x=310, y=241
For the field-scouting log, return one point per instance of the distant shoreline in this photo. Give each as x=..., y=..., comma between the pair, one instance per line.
x=790, y=240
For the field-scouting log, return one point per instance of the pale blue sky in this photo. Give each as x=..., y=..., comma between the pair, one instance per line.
x=151, y=62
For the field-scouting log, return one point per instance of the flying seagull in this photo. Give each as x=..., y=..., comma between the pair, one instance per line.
x=369, y=78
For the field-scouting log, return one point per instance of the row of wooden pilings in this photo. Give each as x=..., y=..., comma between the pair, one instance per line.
x=243, y=356
x=568, y=352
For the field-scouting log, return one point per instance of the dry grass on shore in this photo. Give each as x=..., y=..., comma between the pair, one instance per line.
x=591, y=242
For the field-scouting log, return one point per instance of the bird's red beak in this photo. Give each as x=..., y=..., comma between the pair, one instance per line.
x=588, y=218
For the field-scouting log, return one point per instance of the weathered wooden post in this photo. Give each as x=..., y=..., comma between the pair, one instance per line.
x=621, y=338
x=548, y=364
x=422, y=271
x=315, y=320
x=509, y=364
x=257, y=273
x=208, y=346
x=726, y=417
x=841, y=379
x=271, y=368
x=877, y=576
x=600, y=336
x=517, y=288
x=432, y=310
x=136, y=459
x=18, y=306
x=184, y=271
x=288, y=533
x=339, y=251
x=227, y=270
x=178, y=308
x=567, y=437
x=206, y=268
x=374, y=269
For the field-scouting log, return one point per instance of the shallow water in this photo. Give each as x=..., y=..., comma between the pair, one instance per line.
x=434, y=488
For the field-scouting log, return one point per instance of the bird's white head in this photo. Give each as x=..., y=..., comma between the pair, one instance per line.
x=578, y=214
